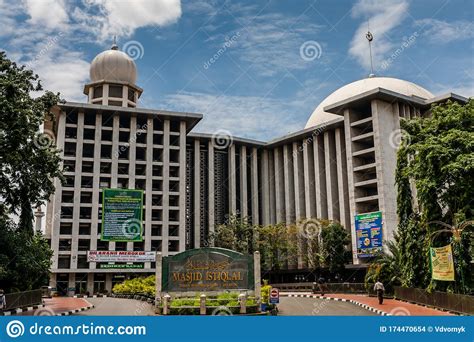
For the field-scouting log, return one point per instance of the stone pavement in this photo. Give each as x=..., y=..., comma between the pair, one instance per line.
x=60, y=306
x=389, y=307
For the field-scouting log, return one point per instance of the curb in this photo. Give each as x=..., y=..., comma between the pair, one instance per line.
x=21, y=310
x=365, y=306
x=94, y=296
x=71, y=312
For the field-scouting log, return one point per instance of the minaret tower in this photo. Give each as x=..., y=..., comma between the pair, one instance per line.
x=113, y=75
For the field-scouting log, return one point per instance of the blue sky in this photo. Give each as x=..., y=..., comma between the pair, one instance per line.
x=255, y=68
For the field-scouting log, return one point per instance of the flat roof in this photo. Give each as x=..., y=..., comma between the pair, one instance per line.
x=191, y=118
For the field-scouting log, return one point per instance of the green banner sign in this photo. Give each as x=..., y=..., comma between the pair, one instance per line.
x=122, y=215
x=123, y=266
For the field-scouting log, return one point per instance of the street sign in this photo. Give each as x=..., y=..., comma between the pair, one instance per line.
x=274, y=296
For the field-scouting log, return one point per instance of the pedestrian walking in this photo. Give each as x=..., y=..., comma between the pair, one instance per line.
x=3, y=302
x=380, y=289
x=322, y=285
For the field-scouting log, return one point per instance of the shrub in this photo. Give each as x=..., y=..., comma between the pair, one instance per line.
x=140, y=285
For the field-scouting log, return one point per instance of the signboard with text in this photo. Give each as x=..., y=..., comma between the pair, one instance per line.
x=207, y=269
x=442, y=263
x=368, y=229
x=120, y=256
x=122, y=215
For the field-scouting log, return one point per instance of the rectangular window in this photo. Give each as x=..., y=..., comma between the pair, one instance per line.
x=89, y=119
x=140, y=169
x=156, y=245
x=65, y=228
x=87, y=182
x=88, y=150
x=157, y=139
x=106, y=135
x=115, y=91
x=69, y=165
x=85, y=213
x=106, y=151
x=66, y=212
x=131, y=95
x=141, y=153
x=173, y=246
x=107, y=119
x=156, y=230
x=123, y=169
x=67, y=196
x=104, y=182
x=105, y=167
x=124, y=136
x=64, y=261
x=84, y=244
x=86, y=197
x=64, y=245
x=89, y=133
x=71, y=118
x=157, y=124
x=82, y=261
x=87, y=166
x=71, y=133
x=124, y=121
x=84, y=228
x=98, y=90
x=69, y=149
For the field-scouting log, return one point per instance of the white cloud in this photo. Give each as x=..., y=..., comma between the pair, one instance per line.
x=45, y=41
x=122, y=18
x=49, y=13
x=439, y=31
x=384, y=16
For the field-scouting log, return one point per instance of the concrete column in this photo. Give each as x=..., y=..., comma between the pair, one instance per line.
x=182, y=186
x=271, y=186
x=320, y=178
x=243, y=182
x=197, y=193
x=77, y=190
x=232, y=181
x=90, y=283
x=279, y=185
x=132, y=145
x=148, y=185
x=385, y=122
x=71, y=284
x=289, y=184
x=95, y=188
x=202, y=304
x=299, y=196
x=166, y=185
x=350, y=184
x=255, y=187
x=211, y=198
x=158, y=280
x=257, y=278
x=265, y=189
x=308, y=169
x=108, y=282
x=331, y=176
x=342, y=179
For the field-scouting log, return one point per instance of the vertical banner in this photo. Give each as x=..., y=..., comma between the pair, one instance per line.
x=442, y=263
x=122, y=215
x=368, y=229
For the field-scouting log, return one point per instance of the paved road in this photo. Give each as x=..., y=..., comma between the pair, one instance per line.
x=319, y=307
x=117, y=307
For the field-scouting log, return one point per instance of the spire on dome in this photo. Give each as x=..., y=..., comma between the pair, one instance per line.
x=114, y=44
x=370, y=37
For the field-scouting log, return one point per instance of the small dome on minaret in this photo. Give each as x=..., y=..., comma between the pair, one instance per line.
x=113, y=65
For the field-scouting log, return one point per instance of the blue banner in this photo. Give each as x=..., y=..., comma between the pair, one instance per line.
x=368, y=229
x=232, y=328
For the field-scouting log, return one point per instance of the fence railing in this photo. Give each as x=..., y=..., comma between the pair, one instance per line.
x=328, y=288
x=23, y=299
x=448, y=301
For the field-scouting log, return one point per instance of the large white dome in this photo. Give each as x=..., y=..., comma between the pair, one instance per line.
x=113, y=65
x=319, y=116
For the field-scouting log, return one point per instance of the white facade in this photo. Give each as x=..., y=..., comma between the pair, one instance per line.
x=341, y=166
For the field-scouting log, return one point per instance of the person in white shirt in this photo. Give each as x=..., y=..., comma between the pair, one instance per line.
x=380, y=289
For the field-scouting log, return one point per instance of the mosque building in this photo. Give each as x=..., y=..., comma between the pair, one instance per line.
x=340, y=165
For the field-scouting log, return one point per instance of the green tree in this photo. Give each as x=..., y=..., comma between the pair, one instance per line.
x=29, y=161
x=334, y=249
x=277, y=245
x=437, y=158
x=236, y=233
x=25, y=260
x=386, y=267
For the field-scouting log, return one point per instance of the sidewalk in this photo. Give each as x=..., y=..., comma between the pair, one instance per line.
x=389, y=307
x=60, y=306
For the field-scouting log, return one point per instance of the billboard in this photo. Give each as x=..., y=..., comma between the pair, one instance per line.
x=368, y=229
x=122, y=215
x=120, y=256
x=442, y=263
